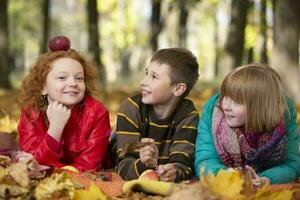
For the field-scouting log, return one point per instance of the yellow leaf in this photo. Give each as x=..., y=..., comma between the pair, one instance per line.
x=71, y=168
x=3, y=173
x=93, y=193
x=19, y=173
x=264, y=193
x=56, y=183
x=7, y=191
x=5, y=160
x=7, y=124
x=228, y=184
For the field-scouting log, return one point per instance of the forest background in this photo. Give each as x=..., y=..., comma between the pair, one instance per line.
x=121, y=35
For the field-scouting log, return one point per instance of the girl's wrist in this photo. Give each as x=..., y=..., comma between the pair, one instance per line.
x=55, y=133
x=264, y=180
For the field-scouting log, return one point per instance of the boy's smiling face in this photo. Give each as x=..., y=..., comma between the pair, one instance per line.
x=157, y=88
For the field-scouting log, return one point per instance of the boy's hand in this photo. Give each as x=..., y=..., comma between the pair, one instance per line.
x=167, y=172
x=58, y=116
x=148, y=153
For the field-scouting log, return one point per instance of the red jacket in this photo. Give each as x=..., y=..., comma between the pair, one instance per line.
x=84, y=141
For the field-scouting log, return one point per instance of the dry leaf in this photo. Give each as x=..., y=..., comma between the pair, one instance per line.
x=5, y=161
x=3, y=173
x=19, y=172
x=7, y=124
x=7, y=191
x=56, y=185
x=129, y=148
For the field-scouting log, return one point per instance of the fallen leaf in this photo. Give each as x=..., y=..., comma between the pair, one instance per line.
x=56, y=183
x=7, y=191
x=264, y=193
x=19, y=172
x=93, y=193
x=228, y=184
x=5, y=161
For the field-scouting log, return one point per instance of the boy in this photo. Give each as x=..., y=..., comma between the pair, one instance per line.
x=160, y=120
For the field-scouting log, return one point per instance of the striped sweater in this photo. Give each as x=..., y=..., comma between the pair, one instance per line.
x=175, y=136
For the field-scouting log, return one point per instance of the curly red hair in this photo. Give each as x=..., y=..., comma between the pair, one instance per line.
x=34, y=82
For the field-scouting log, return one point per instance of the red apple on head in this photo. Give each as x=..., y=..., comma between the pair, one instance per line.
x=59, y=43
x=149, y=174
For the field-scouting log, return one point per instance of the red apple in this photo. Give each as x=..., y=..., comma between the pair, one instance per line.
x=149, y=174
x=59, y=43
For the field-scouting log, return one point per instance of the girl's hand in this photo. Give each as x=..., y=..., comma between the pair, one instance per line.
x=256, y=180
x=167, y=172
x=148, y=153
x=58, y=116
x=28, y=159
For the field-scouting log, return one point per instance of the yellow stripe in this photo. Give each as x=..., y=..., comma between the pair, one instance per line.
x=180, y=172
x=183, y=141
x=135, y=104
x=193, y=112
x=164, y=141
x=179, y=152
x=163, y=157
x=135, y=167
x=157, y=125
x=128, y=119
x=120, y=168
x=179, y=169
x=189, y=127
x=127, y=133
x=120, y=149
x=179, y=166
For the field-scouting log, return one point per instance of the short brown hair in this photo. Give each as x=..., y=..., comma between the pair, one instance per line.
x=34, y=82
x=183, y=65
x=259, y=88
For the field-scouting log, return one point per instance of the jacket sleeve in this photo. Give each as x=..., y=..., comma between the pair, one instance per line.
x=127, y=131
x=96, y=144
x=289, y=170
x=206, y=155
x=32, y=139
x=183, y=147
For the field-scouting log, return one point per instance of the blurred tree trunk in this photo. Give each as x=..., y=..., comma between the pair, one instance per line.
x=93, y=41
x=183, y=17
x=250, y=56
x=125, y=54
x=4, y=44
x=263, y=57
x=234, y=46
x=46, y=25
x=285, y=57
x=126, y=50
x=217, y=45
x=155, y=23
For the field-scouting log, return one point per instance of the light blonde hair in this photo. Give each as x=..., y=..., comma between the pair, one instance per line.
x=259, y=88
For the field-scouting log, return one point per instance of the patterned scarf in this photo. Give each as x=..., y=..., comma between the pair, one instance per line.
x=237, y=148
